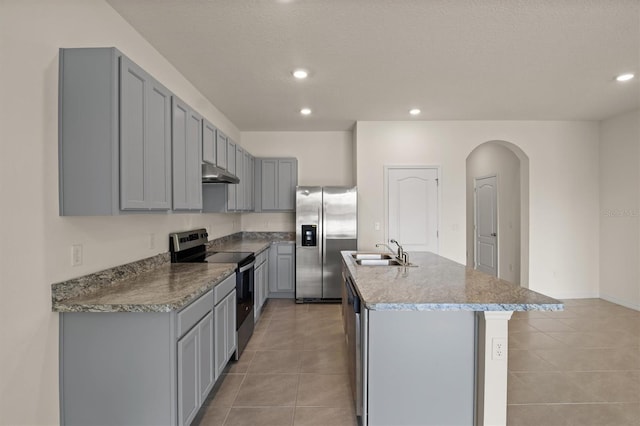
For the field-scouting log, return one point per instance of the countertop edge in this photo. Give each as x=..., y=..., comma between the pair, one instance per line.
x=477, y=307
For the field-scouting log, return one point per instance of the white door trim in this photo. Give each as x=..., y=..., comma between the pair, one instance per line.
x=386, y=196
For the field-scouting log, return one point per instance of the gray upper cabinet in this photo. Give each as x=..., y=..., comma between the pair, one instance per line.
x=187, y=157
x=145, y=140
x=221, y=150
x=208, y=142
x=114, y=135
x=240, y=172
x=275, y=184
x=231, y=168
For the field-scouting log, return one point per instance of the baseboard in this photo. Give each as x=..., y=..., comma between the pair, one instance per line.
x=563, y=296
x=617, y=301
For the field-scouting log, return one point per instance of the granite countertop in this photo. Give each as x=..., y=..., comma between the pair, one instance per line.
x=244, y=245
x=255, y=242
x=436, y=283
x=153, y=284
x=169, y=287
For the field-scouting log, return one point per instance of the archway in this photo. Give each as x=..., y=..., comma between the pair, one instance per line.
x=510, y=165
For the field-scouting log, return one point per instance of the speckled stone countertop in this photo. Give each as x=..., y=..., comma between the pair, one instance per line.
x=255, y=242
x=154, y=284
x=436, y=283
x=169, y=287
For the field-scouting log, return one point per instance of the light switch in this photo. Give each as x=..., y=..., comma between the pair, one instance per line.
x=76, y=255
x=376, y=226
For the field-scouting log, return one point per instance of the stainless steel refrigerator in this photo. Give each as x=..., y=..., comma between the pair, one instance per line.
x=326, y=223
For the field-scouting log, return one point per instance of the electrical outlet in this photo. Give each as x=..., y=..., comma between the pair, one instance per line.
x=152, y=241
x=499, y=349
x=376, y=226
x=76, y=255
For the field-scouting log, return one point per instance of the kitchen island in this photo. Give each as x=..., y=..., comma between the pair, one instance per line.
x=432, y=339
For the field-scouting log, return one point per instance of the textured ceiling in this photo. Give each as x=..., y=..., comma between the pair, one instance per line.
x=376, y=59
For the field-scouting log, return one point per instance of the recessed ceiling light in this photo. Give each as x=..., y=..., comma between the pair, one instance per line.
x=305, y=111
x=625, y=77
x=414, y=111
x=300, y=74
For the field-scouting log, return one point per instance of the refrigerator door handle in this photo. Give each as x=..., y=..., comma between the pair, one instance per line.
x=324, y=237
x=320, y=236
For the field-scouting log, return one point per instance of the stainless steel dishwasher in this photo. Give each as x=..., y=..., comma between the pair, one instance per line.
x=354, y=342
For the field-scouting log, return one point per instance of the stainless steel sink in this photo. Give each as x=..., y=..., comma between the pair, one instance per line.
x=371, y=256
x=378, y=262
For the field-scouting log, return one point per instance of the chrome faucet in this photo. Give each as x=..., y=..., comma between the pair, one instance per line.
x=383, y=244
x=402, y=255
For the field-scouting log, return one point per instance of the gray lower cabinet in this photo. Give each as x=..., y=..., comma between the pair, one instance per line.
x=225, y=335
x=275, y=184
x=145, y=368
x=282, y=270
x=186, y=157
x=195, y=368
x=261, y=282
x=114, y=137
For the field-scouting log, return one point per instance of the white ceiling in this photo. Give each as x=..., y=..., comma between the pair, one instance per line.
x=376, y=59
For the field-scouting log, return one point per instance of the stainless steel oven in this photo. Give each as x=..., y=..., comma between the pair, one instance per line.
x=190, y=246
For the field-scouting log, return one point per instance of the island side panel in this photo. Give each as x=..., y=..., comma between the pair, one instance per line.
x=420, y=368
x=117, y=368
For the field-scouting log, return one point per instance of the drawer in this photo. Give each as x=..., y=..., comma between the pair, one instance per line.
x=224, y=288
x=189, y=316
x=286, y=248
x=262, y=257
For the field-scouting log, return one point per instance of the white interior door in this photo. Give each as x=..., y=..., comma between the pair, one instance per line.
x=486, y=216
x=412, y=207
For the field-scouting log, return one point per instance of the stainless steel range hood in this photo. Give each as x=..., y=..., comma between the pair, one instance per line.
x=214, y=174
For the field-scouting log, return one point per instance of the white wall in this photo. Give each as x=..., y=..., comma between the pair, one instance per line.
x=620, y=209
x=35, y=240
x=492, y=159
x=563, y=173
x=324, y=159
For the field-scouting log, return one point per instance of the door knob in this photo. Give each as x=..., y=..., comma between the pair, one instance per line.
x=494, y=234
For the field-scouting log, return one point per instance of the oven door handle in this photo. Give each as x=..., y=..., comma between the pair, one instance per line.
x=247, y=267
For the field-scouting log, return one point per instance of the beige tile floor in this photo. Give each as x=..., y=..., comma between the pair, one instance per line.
x=577, y=367
x=580, y=366
x=293, y=372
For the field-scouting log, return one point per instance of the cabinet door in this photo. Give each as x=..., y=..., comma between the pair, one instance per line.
x=240, y=188
x=285, y=272
x=258, y=285
x=248, y=182
x=269, y=184
x=133, y=81
x=186, y=158
x=221, y=319
x=188, y=402
x=208, y=142
x=287, y=181
x=252, y=194
x=281, y=268
x=206, y=356
x=145, y=140
x=232, y=338
x=221, y=150
x=158, y=146
x=265, y=283
x=231, y=167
